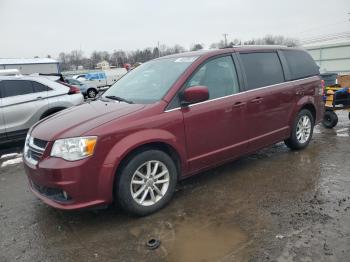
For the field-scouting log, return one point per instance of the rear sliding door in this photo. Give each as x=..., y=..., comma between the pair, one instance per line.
x=270, y=98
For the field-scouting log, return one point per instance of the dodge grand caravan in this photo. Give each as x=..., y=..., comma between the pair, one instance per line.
x=171, y=118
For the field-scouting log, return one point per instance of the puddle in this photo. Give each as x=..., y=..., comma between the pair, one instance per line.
x=211, y=243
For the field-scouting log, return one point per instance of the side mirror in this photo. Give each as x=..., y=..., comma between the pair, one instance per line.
x=194, y=94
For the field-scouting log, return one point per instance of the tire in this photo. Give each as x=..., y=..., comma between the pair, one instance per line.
x=349, y=115
x=330, y=119
x=91, y=93
x=128, y=194
x=302, y=131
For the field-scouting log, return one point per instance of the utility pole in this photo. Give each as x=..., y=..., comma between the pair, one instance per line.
x=225, y=35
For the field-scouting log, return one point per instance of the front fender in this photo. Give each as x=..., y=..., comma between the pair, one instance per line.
x=126, y=145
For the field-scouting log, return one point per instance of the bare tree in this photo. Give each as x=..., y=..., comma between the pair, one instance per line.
x=196, y=47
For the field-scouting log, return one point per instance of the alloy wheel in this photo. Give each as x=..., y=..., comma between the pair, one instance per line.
x=150, y=182
x=303, y=131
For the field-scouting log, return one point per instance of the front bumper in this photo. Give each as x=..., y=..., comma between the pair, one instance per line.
x=70, y=185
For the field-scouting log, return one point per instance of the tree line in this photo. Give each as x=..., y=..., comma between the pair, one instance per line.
x=76, y=58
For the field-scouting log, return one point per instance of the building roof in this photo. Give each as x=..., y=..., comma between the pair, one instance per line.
x=22, y=61
x=326, y=45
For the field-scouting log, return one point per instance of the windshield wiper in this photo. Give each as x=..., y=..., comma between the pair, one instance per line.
x=120, y=99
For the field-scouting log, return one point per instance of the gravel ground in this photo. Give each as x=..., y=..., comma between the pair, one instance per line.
x=276, y=205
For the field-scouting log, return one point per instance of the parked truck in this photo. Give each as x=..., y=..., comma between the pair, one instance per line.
x=104, y=78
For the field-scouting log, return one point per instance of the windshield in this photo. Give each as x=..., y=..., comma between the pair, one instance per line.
x=150, y=81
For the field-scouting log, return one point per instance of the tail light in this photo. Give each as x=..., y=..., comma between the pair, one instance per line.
x=72, y=89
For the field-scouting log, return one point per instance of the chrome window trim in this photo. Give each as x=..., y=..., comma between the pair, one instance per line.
x=247, y=91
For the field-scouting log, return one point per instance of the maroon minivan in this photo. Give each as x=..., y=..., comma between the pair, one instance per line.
x=169, y=119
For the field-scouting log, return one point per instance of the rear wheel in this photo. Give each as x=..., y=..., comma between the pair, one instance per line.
x=302, y=130
x=91, y=93
x=330, y=119
x=146, y=183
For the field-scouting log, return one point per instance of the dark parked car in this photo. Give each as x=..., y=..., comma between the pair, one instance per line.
x=169, y=119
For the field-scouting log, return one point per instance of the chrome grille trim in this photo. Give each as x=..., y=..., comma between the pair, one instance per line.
x=33, y=152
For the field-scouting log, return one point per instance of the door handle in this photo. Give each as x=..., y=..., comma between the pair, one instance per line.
x=257, y=100
x=239, y=105
x=39, y=98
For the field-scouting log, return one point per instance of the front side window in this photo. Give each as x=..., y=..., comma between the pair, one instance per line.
x=219, y=75
x=17, y=87
x=262, y=69
x=150, y=81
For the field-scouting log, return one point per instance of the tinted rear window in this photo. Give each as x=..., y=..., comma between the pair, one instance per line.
x=1, y=89
x=262, y=69
x=300, y=64
x=39, y=87
x=17, y=87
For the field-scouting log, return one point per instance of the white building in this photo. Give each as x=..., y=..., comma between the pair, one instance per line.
x=31, y=65
x=331, y=57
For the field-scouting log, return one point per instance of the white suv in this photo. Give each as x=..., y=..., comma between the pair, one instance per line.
x=25, y=100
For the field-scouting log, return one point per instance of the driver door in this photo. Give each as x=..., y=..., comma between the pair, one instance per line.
x=215, y=129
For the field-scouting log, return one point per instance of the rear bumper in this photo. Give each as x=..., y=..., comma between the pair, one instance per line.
x=70, y=185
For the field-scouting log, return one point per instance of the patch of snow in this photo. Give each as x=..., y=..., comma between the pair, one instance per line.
x=12, y=162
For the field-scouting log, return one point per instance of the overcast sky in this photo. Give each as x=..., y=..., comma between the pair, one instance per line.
x=31, y=28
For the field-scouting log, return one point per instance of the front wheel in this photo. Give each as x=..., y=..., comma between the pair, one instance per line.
x=302, y=130
x=146, y=183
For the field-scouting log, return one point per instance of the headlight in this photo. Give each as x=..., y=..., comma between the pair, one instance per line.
x=76, y=148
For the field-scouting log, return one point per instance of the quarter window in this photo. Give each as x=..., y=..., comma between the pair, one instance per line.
x=300, y=64
x=17, y=87
x=262, y=69
x=219, y=75
x=39, y=87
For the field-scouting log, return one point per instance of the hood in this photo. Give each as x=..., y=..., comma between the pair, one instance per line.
x=78, y=120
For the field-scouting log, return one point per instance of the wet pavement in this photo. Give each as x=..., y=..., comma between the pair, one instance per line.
x=276, y=205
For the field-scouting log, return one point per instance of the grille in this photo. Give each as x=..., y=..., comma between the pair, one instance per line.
x=39, y=143
x=34, y=149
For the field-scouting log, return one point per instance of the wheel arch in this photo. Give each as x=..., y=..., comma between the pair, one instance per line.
x=137, y=142
x=158, y=145
x=51, y=111
x=305, y=102
x=311, y=108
